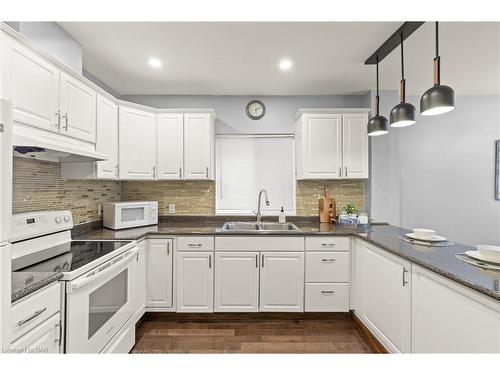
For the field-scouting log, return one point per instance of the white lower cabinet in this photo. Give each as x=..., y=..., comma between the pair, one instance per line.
x=383, y=295
x=282, y=281
x=237, y=282
x=43, y=339
x=331, y=297
x=450, y=318
x=159, y=275
x=195, y=281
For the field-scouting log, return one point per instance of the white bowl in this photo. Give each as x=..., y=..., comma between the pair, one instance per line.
x=489, y=251
x=424, y=234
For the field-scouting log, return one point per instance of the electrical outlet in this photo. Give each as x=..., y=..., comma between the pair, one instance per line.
x=171, y=208
x=99, y=211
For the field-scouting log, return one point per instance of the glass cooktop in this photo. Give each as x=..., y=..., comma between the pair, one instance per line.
x=66, y=257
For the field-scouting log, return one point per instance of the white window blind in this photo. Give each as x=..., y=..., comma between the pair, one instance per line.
x=245, y=164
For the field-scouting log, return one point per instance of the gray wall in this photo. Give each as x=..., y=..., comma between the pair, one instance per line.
x=439, y=173
x=51, y=37
x=231, y=115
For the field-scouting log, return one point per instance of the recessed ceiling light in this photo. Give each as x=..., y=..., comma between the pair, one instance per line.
x=285, y=64
x=154, y=62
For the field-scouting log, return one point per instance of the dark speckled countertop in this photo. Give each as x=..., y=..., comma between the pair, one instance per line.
x=25, y=283
x=441, y=260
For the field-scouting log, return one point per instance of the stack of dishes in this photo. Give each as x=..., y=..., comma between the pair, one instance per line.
x=425, y=235
x=485, y=253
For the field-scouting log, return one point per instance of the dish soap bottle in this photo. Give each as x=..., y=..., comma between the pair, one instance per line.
x=282, y=217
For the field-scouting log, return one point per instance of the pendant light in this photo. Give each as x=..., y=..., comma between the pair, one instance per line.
x=404, y=113
x=440, y=98
x=377, y=124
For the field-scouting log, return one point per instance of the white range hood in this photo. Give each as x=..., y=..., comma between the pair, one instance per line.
x=34, y=143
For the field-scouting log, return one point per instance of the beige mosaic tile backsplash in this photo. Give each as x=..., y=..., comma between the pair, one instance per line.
x=38, y=186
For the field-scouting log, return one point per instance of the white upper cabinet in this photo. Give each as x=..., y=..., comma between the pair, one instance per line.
x=170, y=145
x=355, y=145
x=137, y=144
x=331, y=144
x=32, y=87
x=107, y=137
x=78, y=109
x=198, y=146
x=321, y=146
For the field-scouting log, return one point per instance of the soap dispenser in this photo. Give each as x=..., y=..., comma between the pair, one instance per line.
x=282, y=217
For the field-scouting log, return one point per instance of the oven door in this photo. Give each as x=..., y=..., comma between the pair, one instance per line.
x=99, y=303
x=133, y=215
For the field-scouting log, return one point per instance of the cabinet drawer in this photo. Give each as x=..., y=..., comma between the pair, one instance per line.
x=195, y=243
x=34, y=309
x=327, y=267
x=331, y=243
x=259, y=243
x=327, y=297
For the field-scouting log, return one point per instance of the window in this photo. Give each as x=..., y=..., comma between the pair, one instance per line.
x=245, y=164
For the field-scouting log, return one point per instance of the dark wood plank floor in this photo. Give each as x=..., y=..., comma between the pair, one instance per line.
x=249, y=333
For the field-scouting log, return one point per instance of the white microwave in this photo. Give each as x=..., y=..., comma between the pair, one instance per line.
x=119, y=215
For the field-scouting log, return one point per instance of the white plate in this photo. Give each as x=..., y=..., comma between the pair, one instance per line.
x=479, y=256
x=434, y=238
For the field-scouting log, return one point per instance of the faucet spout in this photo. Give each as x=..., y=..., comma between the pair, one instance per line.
x=266, y=197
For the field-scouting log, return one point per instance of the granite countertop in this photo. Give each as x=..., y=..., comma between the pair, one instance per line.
x=441, y=260
x=25, y=283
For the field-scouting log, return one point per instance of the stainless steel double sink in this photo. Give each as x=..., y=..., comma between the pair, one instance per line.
x=254, y=227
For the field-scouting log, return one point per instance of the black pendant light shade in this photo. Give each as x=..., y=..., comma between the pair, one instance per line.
x=377, y=125
x=440, y=98
x=404, y=113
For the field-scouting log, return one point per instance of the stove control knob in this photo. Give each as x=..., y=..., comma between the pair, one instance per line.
x=66, y=218
x=58, y=219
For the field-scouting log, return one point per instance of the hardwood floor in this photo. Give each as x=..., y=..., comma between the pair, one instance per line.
x=250, y=333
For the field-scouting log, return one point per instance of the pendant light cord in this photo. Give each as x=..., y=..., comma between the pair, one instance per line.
x=377, y=99
x=437, y=60
x=437, y=39
x=402, y=60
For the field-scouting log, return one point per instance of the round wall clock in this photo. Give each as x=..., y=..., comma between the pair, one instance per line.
x=256, y=109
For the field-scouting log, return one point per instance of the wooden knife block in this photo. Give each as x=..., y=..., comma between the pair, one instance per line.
x=326, y=208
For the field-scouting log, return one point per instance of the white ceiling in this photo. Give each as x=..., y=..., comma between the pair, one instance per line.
x=206, y=58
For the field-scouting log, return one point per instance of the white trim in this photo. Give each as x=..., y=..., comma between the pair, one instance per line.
x=302, y=111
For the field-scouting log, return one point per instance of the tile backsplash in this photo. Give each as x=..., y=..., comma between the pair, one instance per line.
x=38, y=186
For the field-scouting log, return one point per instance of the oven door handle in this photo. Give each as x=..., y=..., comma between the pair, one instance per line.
x=93, y=275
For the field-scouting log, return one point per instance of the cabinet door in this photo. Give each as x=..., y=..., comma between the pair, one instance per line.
x=355, y=146
x=170, y=146
x=33, y=87
x=78, y=109
x=322, y=146
x=386, y=297
x=159, y=273
x=140, y=277
x=450, y=318
x=237, y=282
x=282, y=281
x=107, y=137
x=137, y=151
x=195, y=282
x=44, y=338
x=198, y=146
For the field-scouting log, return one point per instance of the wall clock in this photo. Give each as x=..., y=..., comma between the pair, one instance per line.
x=256, y=109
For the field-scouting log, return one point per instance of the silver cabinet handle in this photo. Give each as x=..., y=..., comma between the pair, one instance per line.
x=65, y=117
x=180, y=172
x=137, y=257
x=262, y=255
x=331, y=260
x=31, y=317
x=405, y=271
x=194, y=244
x=154, y=171
x=328, y=292
x=209, y=260
x=168, y=248
x=346, y=171
x=327, y=244
x=340, y=171
x=58, y=332
x=256, y=260
x=58, y=114
x=116, y=170
x=206, y=172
